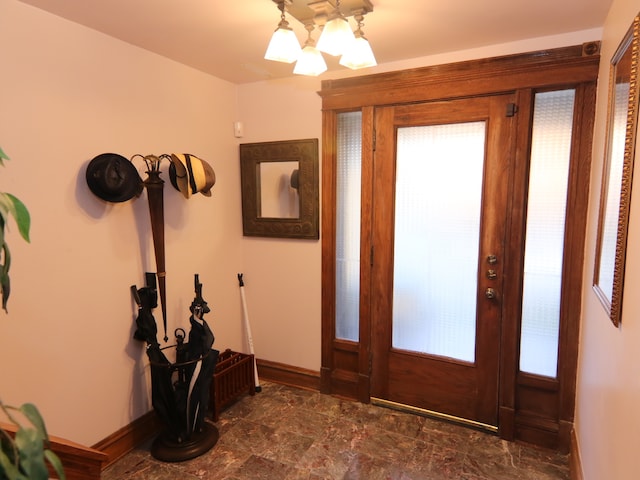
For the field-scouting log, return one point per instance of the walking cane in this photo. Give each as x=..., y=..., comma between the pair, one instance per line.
x=247, y=327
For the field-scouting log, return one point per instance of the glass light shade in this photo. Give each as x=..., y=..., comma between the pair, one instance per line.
x=335, y=35
x=310, y=62
x=284, y=46
x=358, y=55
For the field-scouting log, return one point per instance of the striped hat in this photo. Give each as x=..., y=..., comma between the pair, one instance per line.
x=190, y=175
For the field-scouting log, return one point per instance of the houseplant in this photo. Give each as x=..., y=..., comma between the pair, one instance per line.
x=10, y=206
x=23, y=443
x=23, y=456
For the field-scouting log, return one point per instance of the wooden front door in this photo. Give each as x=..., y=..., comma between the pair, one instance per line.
x=440, y=192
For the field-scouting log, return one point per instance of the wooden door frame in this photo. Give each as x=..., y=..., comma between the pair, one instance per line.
x=531, y=408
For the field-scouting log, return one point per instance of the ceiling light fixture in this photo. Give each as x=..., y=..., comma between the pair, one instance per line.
x=284, y=46
x=310, y=61
x=358, y=54
x=336, y=34
x=336, y=37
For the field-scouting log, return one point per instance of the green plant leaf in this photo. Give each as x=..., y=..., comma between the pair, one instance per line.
x=30, y=444
x=3, y=157
x=12, y=206
x=21, y=215
x=1, y=230
x=8, y=470
x=55, y=462
x=6, y=207
x=30, y=411
x=5, y=286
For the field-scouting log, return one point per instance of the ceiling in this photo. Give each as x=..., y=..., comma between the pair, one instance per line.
x=228, y=38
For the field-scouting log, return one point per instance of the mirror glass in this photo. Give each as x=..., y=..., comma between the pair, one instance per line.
x=617, y=175
x=278, y=190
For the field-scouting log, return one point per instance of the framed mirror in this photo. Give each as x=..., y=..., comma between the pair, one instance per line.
x=617, y=175
x=280, y=189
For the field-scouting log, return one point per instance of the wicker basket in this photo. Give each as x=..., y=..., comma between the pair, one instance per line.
x=233, y=377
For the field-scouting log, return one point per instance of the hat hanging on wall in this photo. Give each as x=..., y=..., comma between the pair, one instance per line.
x=113, y=178
x=190, y=175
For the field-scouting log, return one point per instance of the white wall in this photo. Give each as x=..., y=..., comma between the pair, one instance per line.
x=67, y=94
x=282, y=276
x=608, y=394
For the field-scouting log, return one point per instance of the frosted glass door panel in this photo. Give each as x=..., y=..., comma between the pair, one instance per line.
x=348, y=177
x=439, y=171
x=544, y=245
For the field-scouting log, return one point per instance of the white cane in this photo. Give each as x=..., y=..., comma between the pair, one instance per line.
x=247, y=327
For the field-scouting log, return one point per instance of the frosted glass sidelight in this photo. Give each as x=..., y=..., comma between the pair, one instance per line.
x=439, y=172
x=544, y=245
x=348, y=175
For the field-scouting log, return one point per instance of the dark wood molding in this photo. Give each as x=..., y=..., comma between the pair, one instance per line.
x=468, y=78
x=79, y=462
x=288, y=375
x=575, y=461
x=121, y=442
x=328, y=193
x=507, y=422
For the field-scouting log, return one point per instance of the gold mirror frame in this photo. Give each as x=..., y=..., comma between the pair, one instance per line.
x=613, y=219
x=304, y=180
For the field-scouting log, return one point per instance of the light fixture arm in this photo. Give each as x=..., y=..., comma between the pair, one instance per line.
x=283, y=20
x=309, y=27
x=359, y=18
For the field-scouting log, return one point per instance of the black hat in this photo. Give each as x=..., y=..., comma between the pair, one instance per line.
x=113, y=178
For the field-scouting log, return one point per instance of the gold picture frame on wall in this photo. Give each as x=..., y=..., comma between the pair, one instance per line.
x=617, y=174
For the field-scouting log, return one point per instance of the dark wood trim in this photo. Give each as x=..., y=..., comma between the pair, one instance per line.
x=328, y=268
x=469, y=78
x=507, y=423
x=513, y=268
x=367, y=193
x=288, y=375
x=121, y=442
x=575, y=239
x=79, y=462
x=575, y=460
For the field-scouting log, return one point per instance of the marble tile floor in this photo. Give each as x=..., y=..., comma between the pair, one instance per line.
x=285, y=433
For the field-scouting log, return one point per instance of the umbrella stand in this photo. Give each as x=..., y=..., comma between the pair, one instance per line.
x=247, y=326
x=155, y=185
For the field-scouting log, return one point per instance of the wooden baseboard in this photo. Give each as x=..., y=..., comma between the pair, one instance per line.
x=288, y=375
x=118, y=444
x=79, y=462
x=575, y=461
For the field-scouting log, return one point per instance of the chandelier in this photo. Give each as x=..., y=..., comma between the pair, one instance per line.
x=336, y=37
